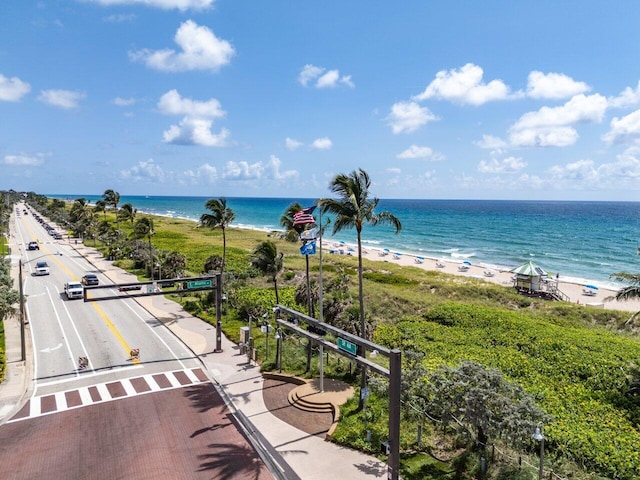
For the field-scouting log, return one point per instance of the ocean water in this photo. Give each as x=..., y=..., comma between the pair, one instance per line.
x=584, y=242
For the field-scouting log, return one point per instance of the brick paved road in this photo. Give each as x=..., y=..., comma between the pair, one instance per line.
x=172, y=434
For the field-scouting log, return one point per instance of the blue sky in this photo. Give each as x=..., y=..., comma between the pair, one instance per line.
x=434, y=99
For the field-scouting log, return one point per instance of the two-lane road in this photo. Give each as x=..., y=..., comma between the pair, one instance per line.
x=156, y=417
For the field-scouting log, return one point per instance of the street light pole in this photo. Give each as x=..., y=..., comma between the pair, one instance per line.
x=537, y=435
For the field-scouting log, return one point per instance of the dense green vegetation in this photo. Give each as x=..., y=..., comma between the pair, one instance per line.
x=576, y=363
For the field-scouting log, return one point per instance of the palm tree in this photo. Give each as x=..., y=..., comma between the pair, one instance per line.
x=267, y=259
x=112, y=198
x=101, y=206
x=127, y=212
x=220, y=217
x=143, y=228
x=292, y=233
x=630, y=292
x=353, y=209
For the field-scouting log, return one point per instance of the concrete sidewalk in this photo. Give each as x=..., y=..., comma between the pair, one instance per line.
x=309, y=456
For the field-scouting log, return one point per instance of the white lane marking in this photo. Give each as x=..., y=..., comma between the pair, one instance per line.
x=82, y=345
x=94, y=374
x=156, y=333
x=51, y=349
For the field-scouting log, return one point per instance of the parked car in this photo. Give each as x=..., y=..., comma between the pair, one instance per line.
x=33, y=246
x=73, y=290
x=42, y=268
x=57, y=235
x=90, y=279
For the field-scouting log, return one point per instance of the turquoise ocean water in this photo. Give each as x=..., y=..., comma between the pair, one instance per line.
x=584, y=241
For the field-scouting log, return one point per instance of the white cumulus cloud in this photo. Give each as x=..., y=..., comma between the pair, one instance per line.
x=330, y=79
x=195, y=128
x=624, y=129
x=195, y=131
x=200, y=49
x=24, y=160
x=323, y=143
x=464, y=86
x=66, y=99
x=553, y=126
x=292, y=144
x=181, y=5
x=506, y=165
x=629, y=97
x=554, y=86
x=13, y=89
x=407, y=117
x=415, y=151
x=172, y=103
x=124, y=102
x=145, y=170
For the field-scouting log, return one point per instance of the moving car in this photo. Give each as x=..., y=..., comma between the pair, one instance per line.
x=33, y=246
x=90, y=279
x=42, y=268
x=73, y=290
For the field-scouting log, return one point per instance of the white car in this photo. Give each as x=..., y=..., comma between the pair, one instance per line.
x=42, y=268
x=73, y=290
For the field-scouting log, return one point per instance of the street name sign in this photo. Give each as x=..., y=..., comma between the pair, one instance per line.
x=347, y=346
x=199, y=284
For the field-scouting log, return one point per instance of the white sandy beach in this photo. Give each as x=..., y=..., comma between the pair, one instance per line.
x=574, y=291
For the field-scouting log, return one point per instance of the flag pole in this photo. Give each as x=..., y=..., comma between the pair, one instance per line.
x=320, y=312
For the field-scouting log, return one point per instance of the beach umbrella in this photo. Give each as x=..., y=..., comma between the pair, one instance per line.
x=467, y=262
x=385, y=249
x=529, y=269
x=592, y=287
x=420, y=258
x=397, y=253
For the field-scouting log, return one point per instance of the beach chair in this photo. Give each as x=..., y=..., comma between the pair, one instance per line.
x=419, y=260
x=463, y=268
x=588, y=292
x=439, y=265
x=488, y=273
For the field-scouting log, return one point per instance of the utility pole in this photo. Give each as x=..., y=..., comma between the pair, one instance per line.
x=23, y=347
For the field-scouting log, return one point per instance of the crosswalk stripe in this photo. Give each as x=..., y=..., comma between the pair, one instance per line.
x=61, y=401
x=86, y=398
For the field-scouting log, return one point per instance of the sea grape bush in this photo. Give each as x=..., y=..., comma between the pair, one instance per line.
x=576, y=374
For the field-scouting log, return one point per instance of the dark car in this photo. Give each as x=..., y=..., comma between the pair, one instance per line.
x=33, y=246
x=90, y=279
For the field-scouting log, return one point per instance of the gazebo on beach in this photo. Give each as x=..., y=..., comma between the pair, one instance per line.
x=532, y=279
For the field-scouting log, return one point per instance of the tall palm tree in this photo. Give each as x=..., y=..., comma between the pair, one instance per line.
x=353, y=209
x=292, y=233
x=630, y=292
x=143, y=228
x=220, y=217
x=112, y=198
x=101, y=206
x=267, y=259
x=127, y=212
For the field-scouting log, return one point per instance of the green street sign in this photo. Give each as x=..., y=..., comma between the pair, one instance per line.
x=199, y=284
x=347, y=346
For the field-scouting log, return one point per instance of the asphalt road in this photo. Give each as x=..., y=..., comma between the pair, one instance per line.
x=157, y=416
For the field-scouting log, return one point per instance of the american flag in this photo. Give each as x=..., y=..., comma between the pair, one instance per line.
x=304, y=217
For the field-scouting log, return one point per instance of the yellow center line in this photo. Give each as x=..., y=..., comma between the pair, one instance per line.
x=105, y=318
